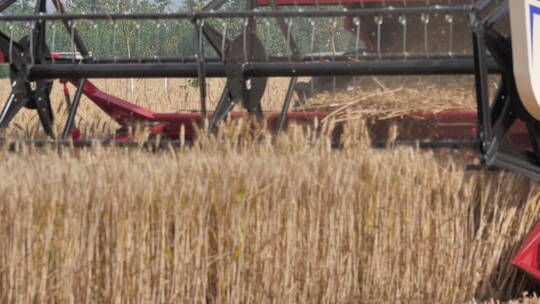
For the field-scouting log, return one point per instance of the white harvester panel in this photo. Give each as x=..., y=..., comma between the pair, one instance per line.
x=525, y=23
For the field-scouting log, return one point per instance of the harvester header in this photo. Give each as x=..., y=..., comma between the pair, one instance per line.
x=362, y=37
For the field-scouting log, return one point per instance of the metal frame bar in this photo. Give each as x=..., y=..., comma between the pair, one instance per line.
x=262, y=69
x=482, y=91
x=73, y=109
x=286, y=104
x=245, y=14
x=304, y=58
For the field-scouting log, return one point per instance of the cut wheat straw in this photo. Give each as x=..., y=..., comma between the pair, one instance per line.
x=383, y=103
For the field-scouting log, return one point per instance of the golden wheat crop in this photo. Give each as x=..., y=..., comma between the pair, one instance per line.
x=159, y=95
x=237, y=220
x=369, y=96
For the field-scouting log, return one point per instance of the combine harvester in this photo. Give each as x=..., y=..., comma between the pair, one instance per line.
x=504, y=130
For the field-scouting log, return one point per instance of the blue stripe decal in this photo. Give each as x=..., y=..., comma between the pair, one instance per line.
x=534, y=10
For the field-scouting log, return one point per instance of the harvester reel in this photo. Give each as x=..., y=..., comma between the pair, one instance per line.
x=31, y=95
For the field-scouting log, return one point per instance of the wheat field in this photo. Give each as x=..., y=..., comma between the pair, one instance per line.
x=242, y=220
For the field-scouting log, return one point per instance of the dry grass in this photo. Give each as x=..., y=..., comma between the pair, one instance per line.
x=239, y=221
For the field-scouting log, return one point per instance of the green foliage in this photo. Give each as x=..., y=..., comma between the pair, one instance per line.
x=193, y=82
x=4, y=70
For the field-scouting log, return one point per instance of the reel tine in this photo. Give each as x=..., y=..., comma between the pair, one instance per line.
x=425, y=21
x=78, y=40
x=113, y=42
x=289, y=24
x=224, y=41
x=11, y=43
x=138, y=44
x=95, y=28
x=266, y=38
x=245, y=43
x=8, y=45
x=158, y=40
x=283, y=27
x=450, y=20
x=72, y=35
x=333, y=39
x=403, y=22
x=379, y=22
x=53, y=40
x=32, y=48
x=312, y=50
x=218, y=41
x=357, y=23
x=200, y=66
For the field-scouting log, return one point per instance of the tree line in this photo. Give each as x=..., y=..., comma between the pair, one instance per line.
x=172, y=38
